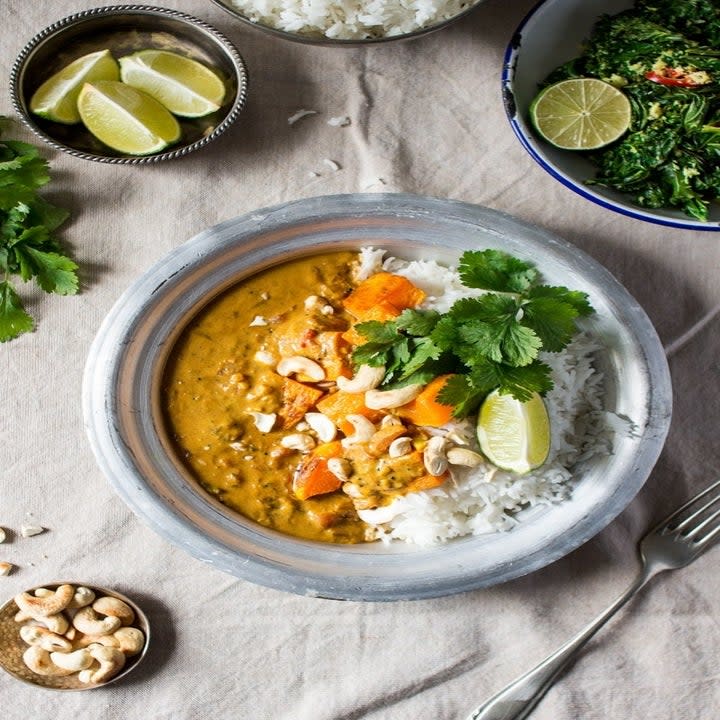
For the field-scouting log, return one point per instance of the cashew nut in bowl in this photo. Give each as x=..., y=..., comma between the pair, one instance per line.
x=434, y=455
x=83, y=596
x=72, y=661
x=86, y=640
x=55, y=623
x=111, y=662
x=464, y=456
x=131, y=640
x=44, y=638
x=87, y=621
x=38, y=660
x=45, y=605
x=114, y=607
x=363, y=430
x=386, y=399
x=299, y=365
x=366, y=378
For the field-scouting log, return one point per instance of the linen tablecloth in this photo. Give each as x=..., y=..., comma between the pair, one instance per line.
x=426, y=117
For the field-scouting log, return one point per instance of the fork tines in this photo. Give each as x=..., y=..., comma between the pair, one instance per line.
x=701, y=525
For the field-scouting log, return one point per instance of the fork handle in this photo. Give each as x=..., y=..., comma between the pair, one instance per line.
x=519, y=698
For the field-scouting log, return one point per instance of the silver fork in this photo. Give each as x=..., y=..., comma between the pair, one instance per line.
x=672, y=544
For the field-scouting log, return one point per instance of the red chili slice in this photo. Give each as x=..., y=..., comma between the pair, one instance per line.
x=671, y=77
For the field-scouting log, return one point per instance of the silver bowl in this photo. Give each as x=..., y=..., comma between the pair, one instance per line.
x=124, y=418
x=125, y=29
x=12, y=645
x=320, y=39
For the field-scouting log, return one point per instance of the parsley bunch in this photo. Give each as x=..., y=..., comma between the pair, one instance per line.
x=487, y=342
x=27, y=246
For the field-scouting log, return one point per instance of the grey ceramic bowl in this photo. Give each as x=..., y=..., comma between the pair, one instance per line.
x=124, y=29
x=12, y=645
x=317, y=38
x=124, y=421
x=549, y=36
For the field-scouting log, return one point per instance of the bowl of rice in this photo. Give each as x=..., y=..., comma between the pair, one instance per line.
x=328, y=22
x=609, y=409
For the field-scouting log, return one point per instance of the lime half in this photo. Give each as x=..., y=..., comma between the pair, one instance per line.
x=183, y=85
x=581, y=114
x=126, y=119
x=514, y=435
x=56, y=98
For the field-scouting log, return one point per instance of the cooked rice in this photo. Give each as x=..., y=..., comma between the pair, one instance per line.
x=347, y=19
x=486, y=499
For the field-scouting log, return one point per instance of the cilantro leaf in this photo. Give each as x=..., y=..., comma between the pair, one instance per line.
x=54, y=273
x=378, y=332
x=418, y=323
x=496, y=270
x=13, y=319
x=576, y=298
x=459, y=392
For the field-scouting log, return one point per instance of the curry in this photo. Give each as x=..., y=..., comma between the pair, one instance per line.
x=269, y=415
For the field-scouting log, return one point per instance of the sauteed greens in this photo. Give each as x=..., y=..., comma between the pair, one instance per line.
x=27, y=246
x=665, y=55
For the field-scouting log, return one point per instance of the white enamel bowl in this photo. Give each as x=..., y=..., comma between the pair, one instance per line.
x=549, y=36
x=123, y=414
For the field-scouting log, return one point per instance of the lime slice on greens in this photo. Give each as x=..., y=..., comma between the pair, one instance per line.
x=581, y=114
x=126, y=119
x=56, y=99
x=514, y=435
x=183, y=85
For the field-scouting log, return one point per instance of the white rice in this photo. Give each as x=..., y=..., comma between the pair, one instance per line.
x=486, y=499
x=349, y=19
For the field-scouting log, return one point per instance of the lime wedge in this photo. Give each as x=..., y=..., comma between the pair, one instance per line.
x=126, y=119
x=184, y=86
x=56, y=98
x=514, y=435
x=581, y=114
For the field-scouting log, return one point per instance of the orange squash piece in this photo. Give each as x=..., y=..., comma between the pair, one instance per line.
x=297, y=399
x=314, y=478
x=426, y=482
x=425, y=409
x=392, y=293
x=337, y=406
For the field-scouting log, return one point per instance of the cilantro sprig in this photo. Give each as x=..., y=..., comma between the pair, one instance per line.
x=28, y=248
x=492, y=341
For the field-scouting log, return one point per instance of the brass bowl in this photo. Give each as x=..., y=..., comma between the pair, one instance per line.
x=12, y=646
x=126, y=29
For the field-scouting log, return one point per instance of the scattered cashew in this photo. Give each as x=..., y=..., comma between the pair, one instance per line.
x=298, y=441
x=72, y=661
x=324, y=427
x=46, y=639
x=38, y=660
x=385, y=399
x=434, y=455
x=340, y=467
x=366, y=378
x=299, y=365
x=400, y=446
x=88, y=621
x=363, y=430
x=114, y=607
x=6, y=568
x=45, y=606
x=83, y=596
x=131, y=640
x=111, y=662
x=264, y=422
x=463, y=456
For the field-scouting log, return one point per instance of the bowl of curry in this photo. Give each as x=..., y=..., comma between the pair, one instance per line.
x=225, y=402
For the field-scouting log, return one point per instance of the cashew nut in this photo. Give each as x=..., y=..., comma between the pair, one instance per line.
x=44, y=638
x=111, y=662
x=38, y=660
x=434, y=455
x=322, y=425
x=87, y=621
x=86, y=640
x=130, y=639
x=385, y=399
x=298, y=441
x=114, y=607
x=83, y=596
x=39, y=607
x=55, y=623
x=363, y=430
x=72, y=661
x=366, y=378
x=340, y=467
x=264, y=357
x=299, y=365
x=390, y=421
x=400, y=446
x=264, y=422
x=463, y=456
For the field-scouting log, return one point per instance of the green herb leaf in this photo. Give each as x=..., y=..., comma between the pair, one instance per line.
x=13, y=319
x=495, y=270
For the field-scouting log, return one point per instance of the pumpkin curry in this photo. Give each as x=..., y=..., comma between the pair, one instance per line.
x=270, y=416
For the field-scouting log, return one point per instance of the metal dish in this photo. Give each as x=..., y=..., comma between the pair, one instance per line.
x=12, y=646
x=125, y=29
x=123, y=414
x=319, y=39
x=551, y=34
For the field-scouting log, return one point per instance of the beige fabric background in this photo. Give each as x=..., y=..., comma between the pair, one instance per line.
x=426, y=118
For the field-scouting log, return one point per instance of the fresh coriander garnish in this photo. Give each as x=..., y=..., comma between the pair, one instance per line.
x=27, y=246
x=487, y=342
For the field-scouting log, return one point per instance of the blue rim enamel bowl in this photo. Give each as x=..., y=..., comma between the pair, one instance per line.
x=550, y=35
